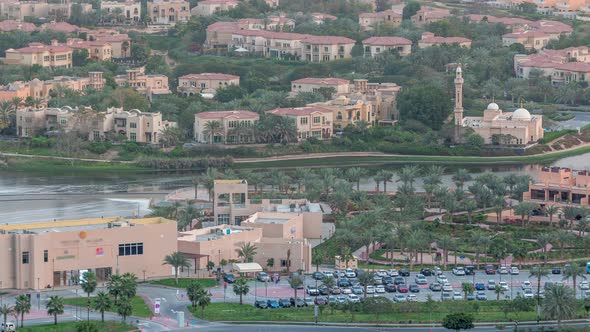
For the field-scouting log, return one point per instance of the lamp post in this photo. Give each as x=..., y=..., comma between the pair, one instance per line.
x=38, y=295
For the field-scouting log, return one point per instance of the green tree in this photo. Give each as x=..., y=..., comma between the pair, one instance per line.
x=467, y=288
x=192, y=292
x=574, y=272
x=88, y=286
x=428, y=104
x=247, y=251
x=295, y=282
x=79, y=57
x=6, y=310
x=410, y=9
x=176, y=260
x=102, y=303
x=22, y=307
x=559, y=304
x=55, y=307
x=538, y=273
x=114, y=286
x=212, y=129
x=203, y=300
x=229, y=93
x=241, y=288
x=458, y=321
x=124, y=309
x=498, y=290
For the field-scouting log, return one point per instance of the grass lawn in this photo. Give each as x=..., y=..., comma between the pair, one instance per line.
x=140, y=309
x=416, y=312
x=71, y=327
x=183, y=282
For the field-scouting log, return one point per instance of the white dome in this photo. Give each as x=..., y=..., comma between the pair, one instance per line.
x=521, y=114
x=493, y=106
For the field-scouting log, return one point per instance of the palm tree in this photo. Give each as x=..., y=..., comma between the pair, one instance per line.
x=55, y=306
x=538, y=273
x=22, y=307
x=125, y=309
x=125, y=48
x=114, y=286
x=573, y=272
x=408, y=174
x=102, y=303
x=6, y=112
x=204, y=300
x=299, y=177
x=241, y=288
x=467, y=288
x=385, y=176
x=176, y=260
x=559, y=304
x=563, y=237
x=355, y=174
x=247, y=251
x=365, y=279
x=295, y=282
x=329, y=282
x=498, y=290
x=317, y=259
x=88, y=286
x=543, y=240
x=551, y=211
x=213, y=128
x=5, y=310
x=460, y=177
x=192, y=292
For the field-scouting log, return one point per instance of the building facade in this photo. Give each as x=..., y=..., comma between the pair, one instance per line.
x=311, y=121
x=148, y=85
x=388, y=17
x=56, y=254
x=129, y=9
x=235, y=127
x=205, y=83
x=168, y=12
x=326, y=48
x=561, y=66
x=31, y=9
x=428, y=15
x=348, y=111
x=560, y=186
x=374, y=46
x=429, y=39
x=54, y=55
x=312, y=84
x=210, y=7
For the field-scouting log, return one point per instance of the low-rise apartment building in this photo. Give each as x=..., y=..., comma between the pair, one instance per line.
x=205, y=83
x=148, y=85
x=272, y=23
x=233, y=127
x=347, y=111
x=168, y=12
x=326, y=48
x=560, y=186
x=388, y=17
x=312, y=84
x=120, y=42
x=210, y=7
x=311, y=120
x=97, y=50
x=382, y=97
x=31, y=9
x=537, y=34
x=41, y=89
x=562, y=66
x=129, y=9
x=54, y=254
x=54, y=55
x=429, y=39
x=374, y=46
x=429, y=15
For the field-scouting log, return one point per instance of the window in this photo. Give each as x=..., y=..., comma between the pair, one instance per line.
x=132, y=125
x=131, y=249
x=223, y=219
x=284, y=263
x=325, y=49
x=63, y=121
x=202, y=85
x=316, y=119
x=25, y=257
x=303, y=121
x=45, y=256
x=133, y=137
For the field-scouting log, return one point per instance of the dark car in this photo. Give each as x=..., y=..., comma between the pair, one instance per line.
x=229, y=278
x=490, y=269
x=414, y=289
x=343, y=282
x=285, y=303
x=261, y=304
x=272, y=304
x=318, y=275
x=404, y=273
x=469, y=270
x=387, y=280
x=399, y=281
x=480, y=286
x=556, y=270
x=390, y=288
x=403, y=288
x=321, y=301
x=323, y=290
x=300, y=302
x=426, y=272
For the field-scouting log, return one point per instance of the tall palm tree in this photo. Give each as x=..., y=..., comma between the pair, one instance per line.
x=563, y=237
x=295, y=282
x=88, y=286
x=114, y=286
x=385, y=176
x=538, y=273
x=498, y=290
x=329, y=282
x=125, y=308
x=559, y=304
x=6, y=310
x=22, y=307
x=460, y=177
x=6, y=112
x=299, y=177
x=213, y=128
x=551, y=210
x=354, y=175
x=176, y=260
x=365, y=279
x=102, y=303
x=573, y=272
x=241, y=288
x=55, y=306
x=128, y=285
x=247, y=251
x=543, y=240
x=408, y=174
x=203, y=299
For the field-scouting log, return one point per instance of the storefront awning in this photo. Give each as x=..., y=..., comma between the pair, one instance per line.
x=247, y=267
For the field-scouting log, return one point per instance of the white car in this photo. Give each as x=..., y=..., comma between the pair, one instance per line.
x=504, y=285
x=380, y=289
x=400, y=298
x=528, y=293
x=437, y=271
x=328, y=273
x=442, y=279
x=526, y=284
x=503, y=270
x=9, y=327
x=459, y=271
x=346, y=290
x=587, y=294
x=447, y=287
x=370, y=289
x=584, y=285
x=412, y=298
x=393, y=273
x=349, y=273
x=514, y=270
x=381, y=273
x=457, y=296
x=420, y=279
x=353, y=298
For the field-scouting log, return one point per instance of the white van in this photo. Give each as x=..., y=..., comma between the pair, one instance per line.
x=10, y=327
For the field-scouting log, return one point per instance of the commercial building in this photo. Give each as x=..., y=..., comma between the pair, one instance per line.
x=388, y=17
x=210, y=7
x=148, y=85
x=54, y=55
x=235, y=127
x=557, y=185
x=374, y=46
x=168, y=12
x=205, y=83
x=129, y=9
x=311, y=120
x=312, y=84
x=429, y=39
x=54, y=254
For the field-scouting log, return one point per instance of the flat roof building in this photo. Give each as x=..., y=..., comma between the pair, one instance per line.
x=558, y=185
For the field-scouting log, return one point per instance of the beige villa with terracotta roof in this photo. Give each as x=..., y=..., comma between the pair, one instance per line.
x=537, y=34
x=428, y=15
x=54, y=55
x=374, y=46
x=388, y=17
x=562, y=66
x=205, y=83
x=231, y=123
x=429, y=39
x=312, y=84
x=210, y=7
x=311, y=121
x=168, y=12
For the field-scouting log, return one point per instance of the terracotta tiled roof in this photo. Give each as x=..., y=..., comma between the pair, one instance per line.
x=216, y=2
x=552, y=26
x=503, y=20
x=61, y=27
x=323, y=16
x=210, y=76
x=327, y=81
x=11, y=25
x=223, y=26
x=327, y=40
x=299, y=111
x=38, y=48
x=574, y=66
x=443, y=40
x=525, y=34
x=239, y=114
x=387, y=41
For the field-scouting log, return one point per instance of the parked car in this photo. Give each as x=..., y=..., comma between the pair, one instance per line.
x=370, y=289
x=357, y=290
x=263, y=277
x=442, y=279
x=469, y=270
x=9, y=327
x=481, y=296
x=312, y=291
x=556, y=270
x=490, y=269
x=377, y=280
x=391, y=288
x=328, y=274
x=528, y=293
x=447, y=287
x=341, y=299
x=400, y=298
x=426, y=272
x=412, y=298
x=586, y=294
x=350, y=273
x=447, y=296
x=300, y=302
x=503, y=270
x=480, y=286
x=459, y=271
x=318, y=275
x=336, y=290
x=414, y=289
x=272, y=304
x=526, y=284
x=229, y=278
x=514, y=270
x=285, y=303
x=332, y=299
x=381, y=273
x=504, y=285
x=402, y=288
x=309, y=301
x=399, y=280
x=346, y=290
x=491, y=285
x=435, y=287
x=323, y=290
x=404, y=272
x=343, y=282
x=321, y=300
x=584, y=285
x=457, y=296
x=470, y=297
x=421, y=279
x=387, y=280
x=437, y=271
x=353, y=298
x=393, y=273
x=380, y=289
x=261, y=304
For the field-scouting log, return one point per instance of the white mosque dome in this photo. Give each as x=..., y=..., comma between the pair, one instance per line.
x=521, y=114
x=493, y=107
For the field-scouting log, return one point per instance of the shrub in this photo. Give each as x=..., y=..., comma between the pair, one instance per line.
x=185, y=163
x=99, y=147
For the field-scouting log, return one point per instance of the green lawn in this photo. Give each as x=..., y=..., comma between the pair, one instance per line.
x=490, y=311
x=71, y=327
x=140, y=309
x=183, y=282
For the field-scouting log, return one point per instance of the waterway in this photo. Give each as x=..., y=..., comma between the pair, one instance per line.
x=29, y=197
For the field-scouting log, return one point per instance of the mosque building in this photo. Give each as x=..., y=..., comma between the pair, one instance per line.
x=496, y=126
